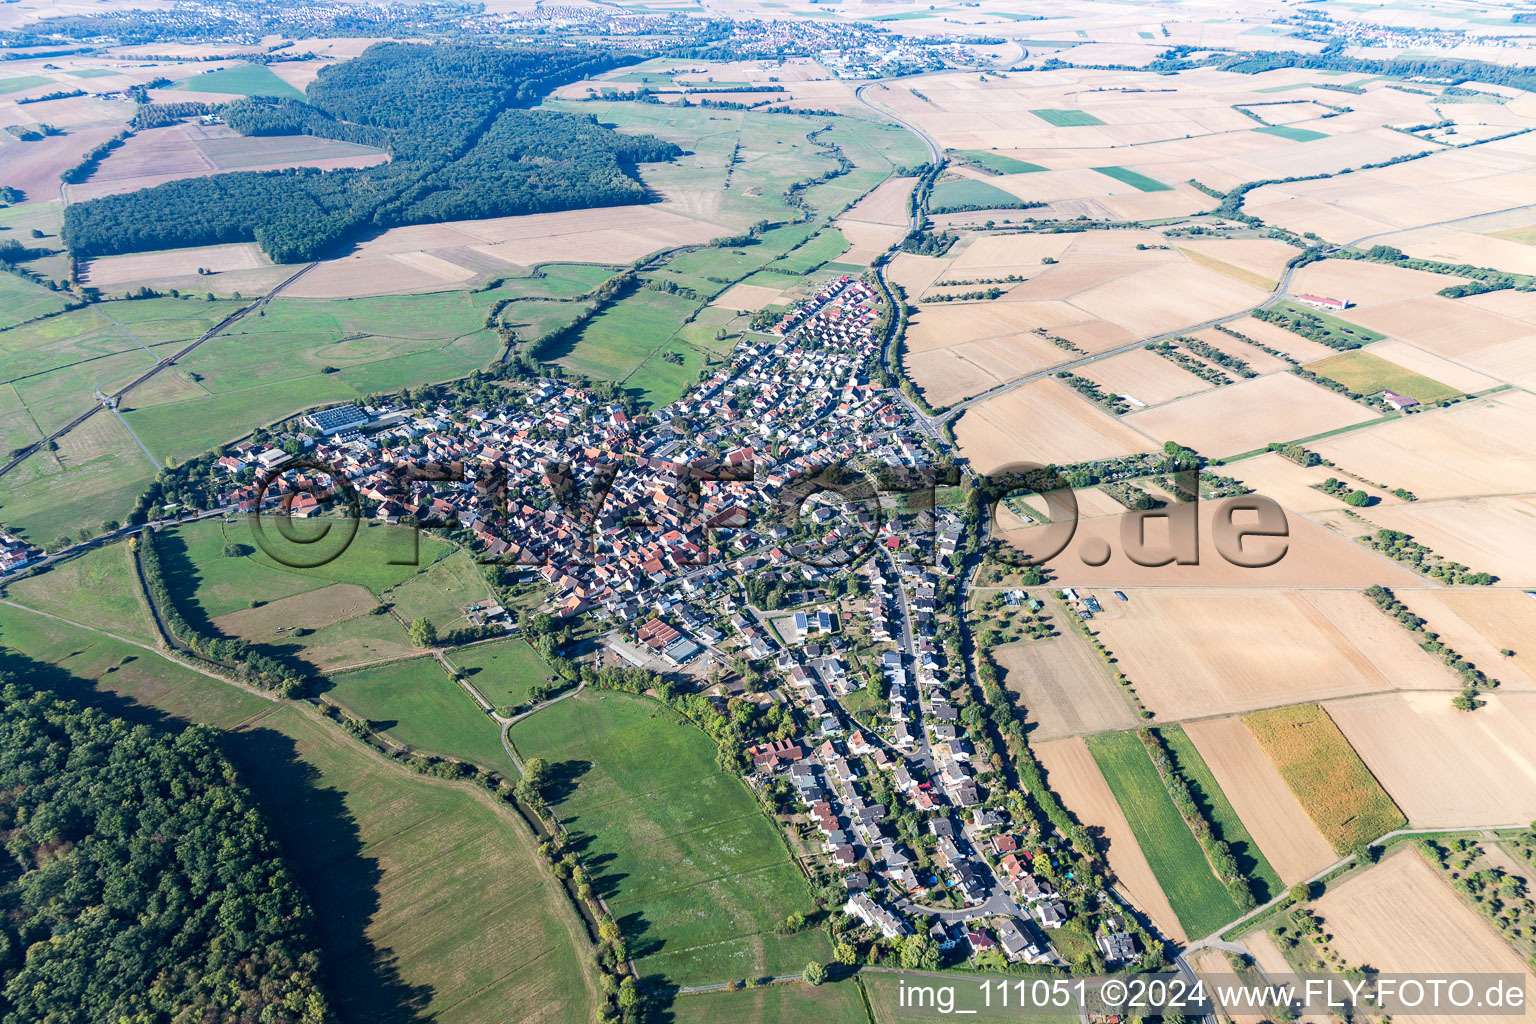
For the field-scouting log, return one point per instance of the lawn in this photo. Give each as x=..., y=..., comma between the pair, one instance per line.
x=99, y=588
x=1340, y=794
x=967, y=193
x=827, y=244
x=1067, y=118
x=502, y=671
x=1198, y=898
x=1207, y=791
x=1286, y=131
x=1135, y=180
x=416, y=703
x=1367, y=374
x=998, y=162
x=241, y=80
x=694, y=872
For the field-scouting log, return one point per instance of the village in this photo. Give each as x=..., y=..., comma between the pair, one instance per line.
x=704, y=540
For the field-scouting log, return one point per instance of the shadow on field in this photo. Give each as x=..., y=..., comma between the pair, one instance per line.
x=561, y=778
x=318, y=836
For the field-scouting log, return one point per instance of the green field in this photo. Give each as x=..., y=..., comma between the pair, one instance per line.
x=1294, y=134
x=21, y=300
x=1367, y=374
x=1205, y=789
x=241, y=80
x=1135, y=180
x=23, y=82
x=98, y=587
x=448, y=585
x=967, y=193
x=1340, y=794
x=998, y=162
x=503, y=671
x=1198, y=898
x=616, y=343
x=793, y=1003
x=416, y=703
x=97, y=472
x=694, y=872
x=828, y=244
x=884, y=992
x=1067, y=118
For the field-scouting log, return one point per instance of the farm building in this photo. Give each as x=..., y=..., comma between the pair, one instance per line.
x=1397, y=401
x=1324, y=302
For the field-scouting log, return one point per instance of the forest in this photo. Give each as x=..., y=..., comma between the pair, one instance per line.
x=141, y=882
x=461, y=141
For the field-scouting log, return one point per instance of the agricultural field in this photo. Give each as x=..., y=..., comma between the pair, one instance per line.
x=968, y=192
x=1076, y=778
x=416, y=703
x=1489, y=534
x=331, y=629
x=1291, y=132
x=1063, y=686
x=1339, y=793
x=1067, y=118
x=1250, y=414
x=1263, y=803
x=1045, y=423
x=1469, y=449
x=99, y=585
x=1250, y=857
x=21, y=300
x=1135, y=179
x=241, y=80
x=1401, y=916
x=1192, y=653
x=999, y=163
x=1445, y=767
x=1195, y=893
x=1368, y=374
x=693, y=871
x=503, y=671
x=792, y=1003
x=442, y=594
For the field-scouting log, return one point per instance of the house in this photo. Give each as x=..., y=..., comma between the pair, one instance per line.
x=1013, y=936
x=1117, y=947
x=1052, y=913
x=863, y=908
x=1397, y=401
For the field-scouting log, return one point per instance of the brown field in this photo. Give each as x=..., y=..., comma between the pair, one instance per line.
x=428, y=257
x=1250, y=414
x=1072, y=774
x=1487, y=534
x=1445, y=767
x=1254, y=261
x=1294, y=345
x=1479, y=622
x=1452, y=246
x=1145, y=376
x=1167, y=298
x=886, y=204
x=1432, y=366
x=1042, y=422
x=916, y=273
x=136, y=268
x=1065, y=687
x=748, y=297
x=1194, y=653
x=1261, y=361
x=1468, y=449
x=158, y=155
x=1212, y=963
x=1282, y=480
x=1267, y=807
x=1310, y=556
x=309, y=610
x=1500, y=346
x=34, y=167
x=1367, y=284
x=1401, y=916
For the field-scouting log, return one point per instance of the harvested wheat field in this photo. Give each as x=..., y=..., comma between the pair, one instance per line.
x=1278, y=478
x=1250, y=414
x=1446, y=767
x=178, y=264
x=1064, y=687
x=748, y=297
x=1169, y=297
x=1303, y=350
x=1367, y=284
x=1255, y=261
x=34, y=167
x=1310, y=555
x=1472, y=448
x=1074, y=776
x=1212, y=963
x=1400, y=916
x=1487, y=534
x=1489, y=342
x=1193, y=653
x=1432, y=366
x=915, y=273
x=1144, y=376
x=1267, y=807
x=1042, y=422
x=1481, y=622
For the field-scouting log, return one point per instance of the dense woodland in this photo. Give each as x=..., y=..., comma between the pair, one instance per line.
x=461, y=144
x=141, y=884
